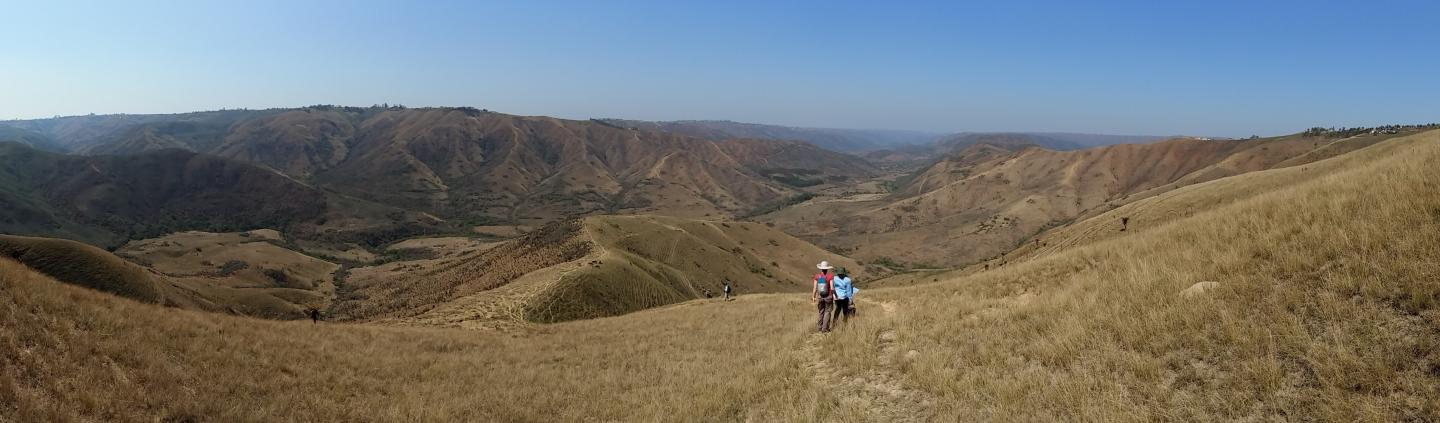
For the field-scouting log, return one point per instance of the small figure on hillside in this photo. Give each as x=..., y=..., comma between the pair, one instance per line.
x=844, y=295
x=822, y=293
x=1124, y=223
x=727, y=290
x=314, y=314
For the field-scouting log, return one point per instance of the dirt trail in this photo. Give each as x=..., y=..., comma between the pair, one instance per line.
x=881, y=394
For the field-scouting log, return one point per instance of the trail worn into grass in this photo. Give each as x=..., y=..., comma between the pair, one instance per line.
x=879, y=393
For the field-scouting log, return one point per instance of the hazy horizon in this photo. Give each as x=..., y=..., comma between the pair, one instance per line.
x=1217, y=69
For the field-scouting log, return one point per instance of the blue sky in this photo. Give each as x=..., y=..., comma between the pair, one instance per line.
x=1143, y=67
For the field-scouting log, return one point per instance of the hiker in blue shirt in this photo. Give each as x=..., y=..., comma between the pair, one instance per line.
x=844, y=295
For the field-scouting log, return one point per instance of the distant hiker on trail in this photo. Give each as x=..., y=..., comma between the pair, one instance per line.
x=727, y=290
x=314, y=314
x=844, y=295
x=1124, y=223
x=822, y=293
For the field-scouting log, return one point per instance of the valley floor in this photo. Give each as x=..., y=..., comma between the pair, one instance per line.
x=1327, y=308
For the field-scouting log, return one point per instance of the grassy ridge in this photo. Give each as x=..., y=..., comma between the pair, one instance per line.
x=83, y=265
x=1326, y=311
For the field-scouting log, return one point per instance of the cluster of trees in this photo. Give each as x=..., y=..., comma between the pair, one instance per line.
x=470, y=111
x=776, y=206
x=1359, y=130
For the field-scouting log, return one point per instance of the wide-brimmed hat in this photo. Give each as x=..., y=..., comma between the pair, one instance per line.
x=824, y=265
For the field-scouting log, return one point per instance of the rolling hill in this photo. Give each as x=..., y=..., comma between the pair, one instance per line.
x=1323, y=308
x=843, y=140
x=924, y=154
x=478, y=167
x=593, y=267
x=29, y=138
x=223, y=288
x=109, y=200
x=987, y=199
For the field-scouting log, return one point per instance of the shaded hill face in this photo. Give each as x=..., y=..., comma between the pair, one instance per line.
x=843, y=140
x=297, y=144
x=961, y=141
x=110, y=199
x=953, y=143
x=491, y=167
x=215, y=290
x=986, y=199
x=478, y=167
x=79, y=264
x=798, y=164
x=595, y=267
x=29, y=138
x=81, y=133
x=107, y=200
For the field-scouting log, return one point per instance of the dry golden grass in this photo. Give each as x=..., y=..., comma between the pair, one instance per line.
x=1326, y=311
x=987, y=200
x=197, y=285
x=595, y=267
x=71, y=354
x=206, y=254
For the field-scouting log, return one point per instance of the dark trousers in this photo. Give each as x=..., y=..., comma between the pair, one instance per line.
x=825, y=305
x=842, y=306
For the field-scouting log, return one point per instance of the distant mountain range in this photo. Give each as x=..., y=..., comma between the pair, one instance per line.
x=461, y=165
x=843, y=140
x=956, y=142
x=882, y=145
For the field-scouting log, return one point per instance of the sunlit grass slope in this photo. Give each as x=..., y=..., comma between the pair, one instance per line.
x=1326, y=310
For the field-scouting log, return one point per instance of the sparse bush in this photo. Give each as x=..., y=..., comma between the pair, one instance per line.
x=232, y=266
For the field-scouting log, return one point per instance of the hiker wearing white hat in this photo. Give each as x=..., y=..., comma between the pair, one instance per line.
x=822, y=293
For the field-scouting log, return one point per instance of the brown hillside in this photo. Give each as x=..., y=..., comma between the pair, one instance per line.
x=79, y=264
x=798, y=164
x=298, y=143
x=598, y=266
x=479, y=167
x=985, y=199
x=1324, y=309
x=83, y=265
x=483, y=166
x=109, y=200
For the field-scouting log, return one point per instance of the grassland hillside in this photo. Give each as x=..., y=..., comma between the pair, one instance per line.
x=941, y=147
x=988, y=199
x=81, y=133
x=798, y=164
x=29, y=138
x=109, y=200
x=220, y=288
x=83, y=265
x=1324, y=309
x=478, y=167
x=252, y=259
x=594, y=267
x=843, y=140
x=482, y=167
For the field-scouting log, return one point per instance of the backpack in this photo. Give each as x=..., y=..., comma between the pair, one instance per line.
x=823, y=287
